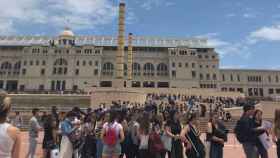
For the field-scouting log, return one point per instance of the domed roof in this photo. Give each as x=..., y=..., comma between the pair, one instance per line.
x=67, y=32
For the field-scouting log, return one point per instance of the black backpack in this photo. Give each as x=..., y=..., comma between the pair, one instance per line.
x=239, y=133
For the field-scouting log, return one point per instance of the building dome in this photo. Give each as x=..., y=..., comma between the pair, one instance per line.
x=67, y=32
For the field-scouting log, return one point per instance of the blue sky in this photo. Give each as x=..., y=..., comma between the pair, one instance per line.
x=246, y=33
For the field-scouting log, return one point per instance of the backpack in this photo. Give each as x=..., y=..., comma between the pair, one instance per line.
x=238, y=132
x=155, y=143
x=110, y=135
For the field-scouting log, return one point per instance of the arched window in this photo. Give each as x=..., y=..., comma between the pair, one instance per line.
x=6, y=68
x=136, y=69
x=214, y=77
x=162, y=69
x=149, y=69
x=60, y=67
x=108, y=69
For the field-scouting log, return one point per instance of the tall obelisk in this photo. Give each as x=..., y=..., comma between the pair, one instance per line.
x=121, y=43
x=129, y=57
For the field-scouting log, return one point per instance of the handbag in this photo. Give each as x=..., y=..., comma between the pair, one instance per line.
x=55, y=153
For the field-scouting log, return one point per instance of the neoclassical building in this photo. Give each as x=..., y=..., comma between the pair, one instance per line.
x=73, y=63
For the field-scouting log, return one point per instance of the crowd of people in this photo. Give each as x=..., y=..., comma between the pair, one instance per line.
x=122, y=129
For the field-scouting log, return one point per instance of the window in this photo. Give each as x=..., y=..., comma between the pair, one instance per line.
x=96, y=63
x=23, y=71
x=214, y=77
x=90, y=63
x=43, y=62
x=277, y=91
x=78, y=63
x=96, y=72
x=213, y=66
x=201, y=76
x=84, y=63
x=238, y=78
x=54, y=71
x=77, y=72
x=173, y=73
x=193, y=65
x=37, y=62
x=240, y=90
x=213, y=56
x=270, y=91
x=224, y=78
x=31, y=63
x=25, y=63
x=200, y=66
x=180, y=64
x=206, y=56
x=193, y=74
x=78, y=51
x=208, y=76
x=207, y=66
x=269, y=79
x=277, y=79
x=42, y=72
x=199, y=56
x=41, y=87
x=231, y=77
x=186, y=65
x=173, y=64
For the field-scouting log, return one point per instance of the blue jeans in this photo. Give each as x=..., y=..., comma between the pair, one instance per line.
x=250, y=150
x=99, y=148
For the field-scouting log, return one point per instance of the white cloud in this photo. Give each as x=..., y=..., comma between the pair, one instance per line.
x=230, y=15
x=149, y=4
x=267, y=33
x=226, y=48
x=81, y=14
x=249, y=15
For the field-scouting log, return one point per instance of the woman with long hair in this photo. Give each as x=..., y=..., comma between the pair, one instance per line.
x=9, y=135
x=217, y=136
x=257, y=117
x=49, y=141
x=190, y=135
x=276, y=131
x=175, y=126
x=112, y=135
x=144, y=131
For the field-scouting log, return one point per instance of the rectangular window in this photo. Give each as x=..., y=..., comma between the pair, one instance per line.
x=96, y=72
x=77, y=72
x=277, y=79
x=193, y=65
x=180, y=64
x=277, y=91
x=96, y=63
x=43, y=62
x=231, y=77
x=224, y=78
x=269, y=79
x=41, y=87
x=271, y=91
x=173, y=64
x=23, y=71
x=238, y=78
x=37, y=62
x=31, y=63
x=186, y=65
x=173, y=73
x=42, y=72
x=193, y=74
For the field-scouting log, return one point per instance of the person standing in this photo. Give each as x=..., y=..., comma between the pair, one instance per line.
x=49, y=141
x=34, y=129
x=190, y=135
x=10, y=140
x=112, y=135
x=245, y=132
x=66, y=147
x=175, y=126
x=217, y=137
x=18, y=120
x=276, y=131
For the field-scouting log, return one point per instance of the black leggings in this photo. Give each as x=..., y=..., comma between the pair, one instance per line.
x=278, y=148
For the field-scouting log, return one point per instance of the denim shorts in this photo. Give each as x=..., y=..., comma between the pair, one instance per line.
x=109, y=151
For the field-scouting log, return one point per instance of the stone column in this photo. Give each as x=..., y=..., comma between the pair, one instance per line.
x=121, y=42
x=129, y=57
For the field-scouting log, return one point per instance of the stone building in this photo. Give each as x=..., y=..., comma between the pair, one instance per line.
x=71, y=63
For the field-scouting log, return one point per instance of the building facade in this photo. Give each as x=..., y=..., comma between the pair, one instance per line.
x=72, y=63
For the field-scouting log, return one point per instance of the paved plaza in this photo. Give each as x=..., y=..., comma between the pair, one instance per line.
x=232, y=148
